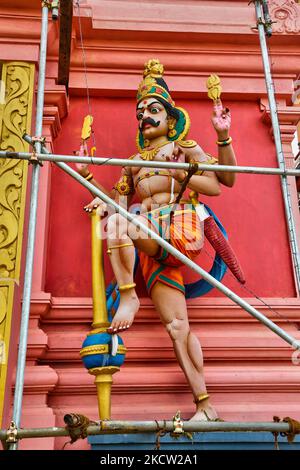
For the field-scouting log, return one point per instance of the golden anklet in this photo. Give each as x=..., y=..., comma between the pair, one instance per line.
x=201, y=398
x=127, y=287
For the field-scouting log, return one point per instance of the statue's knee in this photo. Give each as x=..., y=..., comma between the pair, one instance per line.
x=178, y=330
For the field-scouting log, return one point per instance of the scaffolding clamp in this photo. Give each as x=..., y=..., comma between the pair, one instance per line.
x=293, y=430
x=178, y=424
x=266, y=24
x=76, y=425
x=12, y=433
x=46, y=3
x=33, y=159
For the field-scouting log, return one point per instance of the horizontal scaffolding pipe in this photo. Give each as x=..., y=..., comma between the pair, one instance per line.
x=184, y=259
x=132, y=427
x=147, y=164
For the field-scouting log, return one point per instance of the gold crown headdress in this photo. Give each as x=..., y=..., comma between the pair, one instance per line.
x=154, y=85
x=149, y=86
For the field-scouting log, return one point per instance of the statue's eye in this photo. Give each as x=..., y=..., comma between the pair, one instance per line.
x=154, y=110
x=140, y=116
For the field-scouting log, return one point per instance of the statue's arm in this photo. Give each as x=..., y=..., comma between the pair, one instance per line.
x=123, y=190
x=84, y=171
x=221, y=120
x=203, y=182
x=99, y=186
x=226, y=156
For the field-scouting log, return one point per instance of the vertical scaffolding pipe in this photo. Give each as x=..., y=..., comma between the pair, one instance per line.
x=278, y=144
x=18, y=397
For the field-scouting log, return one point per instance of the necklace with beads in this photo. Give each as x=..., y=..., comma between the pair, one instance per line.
x=151, y=153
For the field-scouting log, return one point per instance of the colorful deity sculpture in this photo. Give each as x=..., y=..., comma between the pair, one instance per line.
x=161, y=136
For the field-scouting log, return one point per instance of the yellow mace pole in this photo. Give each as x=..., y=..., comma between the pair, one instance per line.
x=103, y=375
x=100, y=317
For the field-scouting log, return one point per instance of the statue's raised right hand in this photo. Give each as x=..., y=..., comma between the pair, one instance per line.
x=96, y=204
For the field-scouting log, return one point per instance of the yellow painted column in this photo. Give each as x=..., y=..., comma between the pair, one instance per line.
x=16, y=99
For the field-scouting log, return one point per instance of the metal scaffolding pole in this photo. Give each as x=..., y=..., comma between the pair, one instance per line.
x=277, y=137
x=18, y=397
x=147, y=164
x=130, y=217
x=132, y=427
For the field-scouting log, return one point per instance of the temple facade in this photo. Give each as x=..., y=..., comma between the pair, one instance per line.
x=251, y=373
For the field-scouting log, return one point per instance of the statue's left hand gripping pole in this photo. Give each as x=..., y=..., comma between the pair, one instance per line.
x=18, y=397
x=97, y=340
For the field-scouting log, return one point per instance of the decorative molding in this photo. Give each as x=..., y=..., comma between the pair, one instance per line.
x=79, y=310
x=286, y=16
x=15, y=119
x=68, y=320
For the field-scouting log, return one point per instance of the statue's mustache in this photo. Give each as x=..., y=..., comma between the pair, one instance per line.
x=150, y=121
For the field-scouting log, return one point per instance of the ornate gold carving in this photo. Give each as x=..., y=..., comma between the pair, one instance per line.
x=97, y=349
x=286, y=13
x=187, y=143
x=153, y=68
x=15, y=119
x=6, y=307
x=16, y=96
x=100, y=349
x=214, y=89
x=3, y=306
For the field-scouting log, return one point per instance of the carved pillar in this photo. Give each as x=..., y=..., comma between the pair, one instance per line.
x=15, y=118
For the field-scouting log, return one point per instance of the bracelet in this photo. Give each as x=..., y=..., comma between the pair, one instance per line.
x=223, y=143
x=89, y=177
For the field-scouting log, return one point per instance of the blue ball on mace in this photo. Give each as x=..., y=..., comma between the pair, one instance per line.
x=102, y=350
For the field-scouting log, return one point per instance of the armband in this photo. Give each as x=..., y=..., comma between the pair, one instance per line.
x=124, y=186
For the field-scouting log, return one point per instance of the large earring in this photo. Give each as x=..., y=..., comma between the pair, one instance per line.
x=172, y=132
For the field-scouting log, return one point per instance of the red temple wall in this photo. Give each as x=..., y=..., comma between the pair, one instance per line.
x=252, y=211
x=248, y=369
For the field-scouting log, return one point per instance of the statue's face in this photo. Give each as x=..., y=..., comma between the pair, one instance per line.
x=152, y=118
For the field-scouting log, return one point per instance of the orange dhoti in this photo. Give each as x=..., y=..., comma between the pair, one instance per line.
x=184, y=231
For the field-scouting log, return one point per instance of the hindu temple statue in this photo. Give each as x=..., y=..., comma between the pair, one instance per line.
x=162, y=132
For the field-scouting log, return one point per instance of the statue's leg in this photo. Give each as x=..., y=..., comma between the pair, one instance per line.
x=121, y=239
x=171, y=306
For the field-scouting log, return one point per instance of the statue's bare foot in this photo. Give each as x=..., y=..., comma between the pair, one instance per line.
x=205, y=413
x=129, y=305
